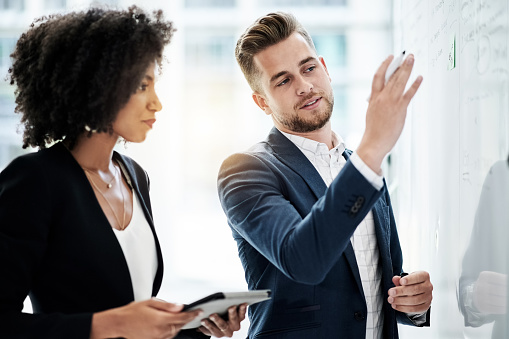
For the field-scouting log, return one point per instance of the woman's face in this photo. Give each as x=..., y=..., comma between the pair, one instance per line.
x=138, y=116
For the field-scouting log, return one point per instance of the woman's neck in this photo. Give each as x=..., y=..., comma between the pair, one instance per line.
x=95, y=152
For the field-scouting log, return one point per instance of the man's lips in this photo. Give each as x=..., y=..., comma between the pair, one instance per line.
x=150, y=122
x=311, y=103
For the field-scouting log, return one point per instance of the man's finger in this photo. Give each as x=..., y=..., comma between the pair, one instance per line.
x=413, y=300
x=398, y=83
x=412, y=90
x=403, y=291
x=379, y=77
x=415, y=278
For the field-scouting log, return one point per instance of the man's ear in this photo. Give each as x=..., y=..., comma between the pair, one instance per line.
x=260, y=100
x=322, y=60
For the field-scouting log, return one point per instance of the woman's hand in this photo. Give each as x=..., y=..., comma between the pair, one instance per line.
x=219, y=327
x=149, y=319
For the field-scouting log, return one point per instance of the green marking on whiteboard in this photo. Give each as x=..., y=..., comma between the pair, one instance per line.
x=452, y=52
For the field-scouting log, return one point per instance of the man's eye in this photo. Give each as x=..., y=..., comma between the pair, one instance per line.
x=310, y=69
x=283, y=82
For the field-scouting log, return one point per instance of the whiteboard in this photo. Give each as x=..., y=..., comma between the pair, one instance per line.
x=457, y=130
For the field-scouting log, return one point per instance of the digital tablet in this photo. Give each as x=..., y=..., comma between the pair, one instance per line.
x=221, y=301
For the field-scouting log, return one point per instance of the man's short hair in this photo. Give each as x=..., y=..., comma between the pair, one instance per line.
x=263, y=33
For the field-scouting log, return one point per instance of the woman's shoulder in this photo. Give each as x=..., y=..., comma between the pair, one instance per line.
x=47, y=159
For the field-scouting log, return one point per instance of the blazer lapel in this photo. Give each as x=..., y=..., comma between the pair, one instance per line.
x=288, y=153
x=98, y=225
x=143, y=198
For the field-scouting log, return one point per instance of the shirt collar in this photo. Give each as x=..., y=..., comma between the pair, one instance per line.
x=316, y=147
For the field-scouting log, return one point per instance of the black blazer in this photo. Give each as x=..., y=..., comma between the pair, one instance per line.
x=57, y=246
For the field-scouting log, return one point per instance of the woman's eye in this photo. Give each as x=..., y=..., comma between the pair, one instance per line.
x=143, y=87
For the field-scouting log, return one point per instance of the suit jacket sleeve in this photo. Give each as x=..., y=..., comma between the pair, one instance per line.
x=25, y=213
x=252, y=193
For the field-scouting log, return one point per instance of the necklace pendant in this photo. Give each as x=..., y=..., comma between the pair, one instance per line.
x=109, y=185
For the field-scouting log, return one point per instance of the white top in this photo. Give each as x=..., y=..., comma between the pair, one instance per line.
x=329, y=163
x=139, y=247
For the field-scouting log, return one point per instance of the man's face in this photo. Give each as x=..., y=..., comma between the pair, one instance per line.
x=296, y=86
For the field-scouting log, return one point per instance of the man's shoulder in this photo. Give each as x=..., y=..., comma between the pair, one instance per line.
x=260, y=152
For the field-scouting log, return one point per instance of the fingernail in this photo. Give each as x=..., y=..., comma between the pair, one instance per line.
x=390, y=300
x=392, y=292
x=410, y=60
x=203, y=323
x=402, y=281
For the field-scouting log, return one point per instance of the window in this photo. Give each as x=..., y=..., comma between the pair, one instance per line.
x=18, y=5
x=210, y=3
x=7, y=106
x=332, y=47
x=6, y=48
x=213, y=52
x=55, y=4
x=308, y=3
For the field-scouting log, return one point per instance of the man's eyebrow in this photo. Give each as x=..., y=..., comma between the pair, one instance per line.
x=308, y=59
x=302, y=62
x=276, y=76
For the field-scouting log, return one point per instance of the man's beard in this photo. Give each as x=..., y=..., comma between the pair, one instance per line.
x=313, y=123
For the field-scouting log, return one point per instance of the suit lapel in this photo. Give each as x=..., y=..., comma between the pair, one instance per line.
x=289, y=154
x=382, y=241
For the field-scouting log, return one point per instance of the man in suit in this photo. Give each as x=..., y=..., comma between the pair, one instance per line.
x=313, y=222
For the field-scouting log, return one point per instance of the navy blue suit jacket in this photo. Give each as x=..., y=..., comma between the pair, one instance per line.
x=293, y=236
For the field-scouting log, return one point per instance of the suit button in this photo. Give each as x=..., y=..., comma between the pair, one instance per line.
x=357, y=206
x=358, y=316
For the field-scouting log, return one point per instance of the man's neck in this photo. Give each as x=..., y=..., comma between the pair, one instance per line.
x=323, y=135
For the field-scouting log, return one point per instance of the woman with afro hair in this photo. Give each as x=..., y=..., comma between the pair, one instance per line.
x=76, y=229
